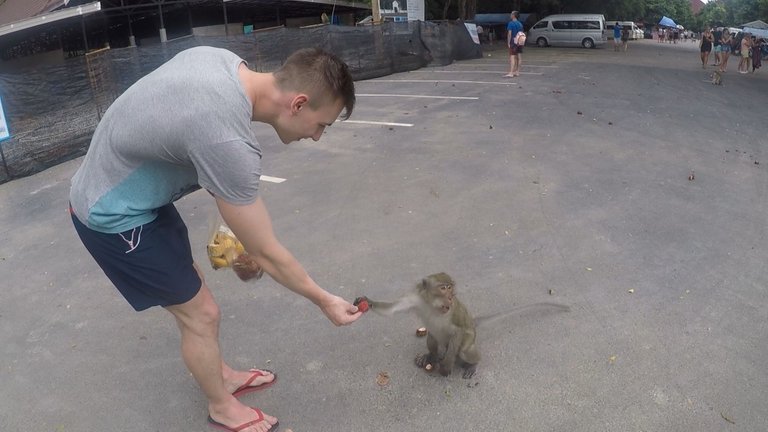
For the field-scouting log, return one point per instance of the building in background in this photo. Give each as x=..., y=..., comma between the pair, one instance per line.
x=70, y=28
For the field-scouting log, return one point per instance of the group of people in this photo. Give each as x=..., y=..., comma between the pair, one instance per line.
x=724, y=43
x=672, y=35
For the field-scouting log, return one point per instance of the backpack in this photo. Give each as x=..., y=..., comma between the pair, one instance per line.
x=519, y=39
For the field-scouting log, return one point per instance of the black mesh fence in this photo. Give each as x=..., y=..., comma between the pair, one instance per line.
x=52, y=110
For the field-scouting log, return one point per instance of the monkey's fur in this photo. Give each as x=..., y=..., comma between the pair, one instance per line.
x=452, y=334
x=717, y=78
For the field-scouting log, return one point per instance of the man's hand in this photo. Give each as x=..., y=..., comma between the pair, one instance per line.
x=340, y=311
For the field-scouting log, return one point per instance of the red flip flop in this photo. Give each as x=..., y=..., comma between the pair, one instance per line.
x=260, y=415
x=248, y=388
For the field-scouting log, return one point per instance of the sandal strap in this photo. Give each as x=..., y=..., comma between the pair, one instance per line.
x=252, y=422
x=255, y=374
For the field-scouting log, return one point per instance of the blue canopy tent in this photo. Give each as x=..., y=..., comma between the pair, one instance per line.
x=667, y=22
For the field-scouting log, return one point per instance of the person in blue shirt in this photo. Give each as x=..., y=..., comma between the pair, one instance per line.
x=616, y=36
x=515, y=50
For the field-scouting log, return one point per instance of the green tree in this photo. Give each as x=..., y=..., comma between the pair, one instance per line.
x=742, y=11
x=679, y=10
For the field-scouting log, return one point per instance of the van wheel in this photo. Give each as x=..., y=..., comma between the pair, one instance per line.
x=541, y=42
x=587, y=43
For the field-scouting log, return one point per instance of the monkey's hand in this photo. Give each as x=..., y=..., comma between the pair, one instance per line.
x=340, y=311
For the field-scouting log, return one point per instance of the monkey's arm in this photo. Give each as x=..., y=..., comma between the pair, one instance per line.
x=389, y=308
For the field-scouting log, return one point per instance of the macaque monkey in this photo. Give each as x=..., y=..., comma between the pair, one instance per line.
x=451, y=336
x=717, y=78
x=451, y=329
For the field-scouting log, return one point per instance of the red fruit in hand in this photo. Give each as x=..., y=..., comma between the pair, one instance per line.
x=362, y=304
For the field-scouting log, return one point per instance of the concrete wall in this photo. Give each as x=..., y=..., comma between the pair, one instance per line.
x=218, y=30
x=301, y=22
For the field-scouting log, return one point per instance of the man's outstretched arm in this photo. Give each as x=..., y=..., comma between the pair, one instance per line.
x=253, y=227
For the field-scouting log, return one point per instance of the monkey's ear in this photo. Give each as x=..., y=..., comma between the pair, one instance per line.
x=424, y=284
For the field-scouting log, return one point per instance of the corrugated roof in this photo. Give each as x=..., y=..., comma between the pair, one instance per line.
x=17, y=10
x=17, y=15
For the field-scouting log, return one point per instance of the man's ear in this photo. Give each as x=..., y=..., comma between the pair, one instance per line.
x=299, y=101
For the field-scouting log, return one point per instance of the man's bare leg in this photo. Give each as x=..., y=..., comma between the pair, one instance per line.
x=511, y=66
x=518, y=61
x=198, y=321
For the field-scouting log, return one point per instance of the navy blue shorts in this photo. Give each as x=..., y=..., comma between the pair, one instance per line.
x=151, y=265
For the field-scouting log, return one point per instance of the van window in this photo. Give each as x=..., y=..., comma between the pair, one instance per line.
x=586, y=25
x=576, y=25
x=541, y=24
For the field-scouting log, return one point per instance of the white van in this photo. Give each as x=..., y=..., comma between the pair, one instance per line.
x=634, y=31
x=585, y=30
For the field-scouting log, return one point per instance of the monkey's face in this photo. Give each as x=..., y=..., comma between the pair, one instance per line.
x=443, y=298
x=437, y=291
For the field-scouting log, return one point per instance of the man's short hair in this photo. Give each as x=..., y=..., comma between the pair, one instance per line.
x=319, y=74
x=514, y=14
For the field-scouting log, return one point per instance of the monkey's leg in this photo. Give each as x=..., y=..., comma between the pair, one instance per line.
x=447, y=362
x=422, y=360
x=470, y=358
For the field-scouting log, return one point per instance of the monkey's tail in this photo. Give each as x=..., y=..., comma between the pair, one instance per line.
x=484, y=320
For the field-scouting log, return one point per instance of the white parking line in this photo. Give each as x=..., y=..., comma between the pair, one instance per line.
x=441, y=81
x=271, y=179
x=375, y=123
x=416, y=96
x=471, y=71
x=496, y=64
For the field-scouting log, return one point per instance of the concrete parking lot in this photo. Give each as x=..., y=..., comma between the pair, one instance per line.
x=622, y=184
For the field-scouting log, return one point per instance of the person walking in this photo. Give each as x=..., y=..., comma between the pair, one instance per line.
x=725, y=50
x=705, y=47
x=757, y=54
x=717, y=35
x=616, y=36
x=515, y=50
x=187, y=126
x=746, y=45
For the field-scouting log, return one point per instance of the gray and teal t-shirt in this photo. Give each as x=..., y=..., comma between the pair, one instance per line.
x=184, y=126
